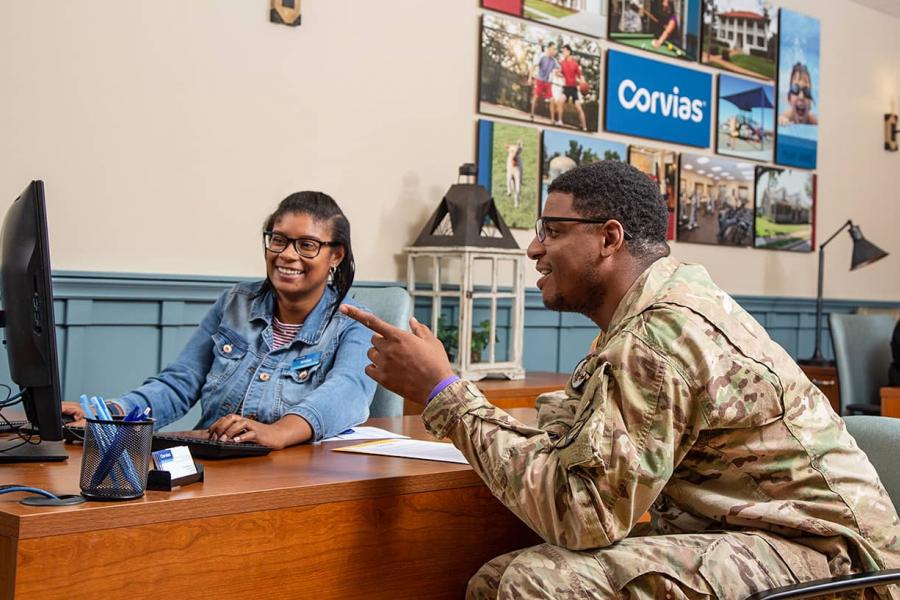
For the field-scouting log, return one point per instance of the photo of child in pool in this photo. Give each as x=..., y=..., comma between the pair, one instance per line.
x=797, y=129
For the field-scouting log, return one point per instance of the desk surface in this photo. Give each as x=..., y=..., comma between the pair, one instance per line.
x=304, y=518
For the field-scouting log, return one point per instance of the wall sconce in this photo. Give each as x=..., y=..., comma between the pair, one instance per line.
x=890, y=132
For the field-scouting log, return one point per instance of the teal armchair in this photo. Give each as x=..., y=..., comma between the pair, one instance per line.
x=390, y=304
x=862, y=350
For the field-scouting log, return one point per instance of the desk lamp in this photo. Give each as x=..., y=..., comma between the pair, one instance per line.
x=864, y=253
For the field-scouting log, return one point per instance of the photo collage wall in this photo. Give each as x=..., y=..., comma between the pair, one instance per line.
x=751, y=114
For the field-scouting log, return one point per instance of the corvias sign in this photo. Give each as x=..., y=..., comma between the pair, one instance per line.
x=656, y=100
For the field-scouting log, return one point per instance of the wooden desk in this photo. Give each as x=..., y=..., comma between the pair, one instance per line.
x=511, y=394
x=300, y=523
x=890, y=402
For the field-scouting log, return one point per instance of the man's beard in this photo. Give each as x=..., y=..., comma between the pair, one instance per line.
x=589, y=298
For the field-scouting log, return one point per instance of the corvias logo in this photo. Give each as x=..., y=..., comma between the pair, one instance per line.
x=667, y=104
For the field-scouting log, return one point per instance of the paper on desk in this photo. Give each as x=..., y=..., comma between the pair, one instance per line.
x=407, y=448
x=366, y=433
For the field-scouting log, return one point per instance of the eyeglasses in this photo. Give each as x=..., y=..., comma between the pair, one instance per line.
x=796, y=89
x=306, y=247
x=541, y=233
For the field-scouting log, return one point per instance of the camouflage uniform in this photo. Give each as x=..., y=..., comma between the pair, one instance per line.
x=687, y=409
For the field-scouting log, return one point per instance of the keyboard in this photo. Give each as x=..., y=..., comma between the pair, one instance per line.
x=200, y=446
x=13, y=426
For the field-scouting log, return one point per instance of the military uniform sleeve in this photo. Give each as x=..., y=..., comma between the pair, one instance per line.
x=588, y=487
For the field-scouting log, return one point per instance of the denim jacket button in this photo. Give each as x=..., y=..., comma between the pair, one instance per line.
x=303, y=375
x=263, y=376
x=227, y=348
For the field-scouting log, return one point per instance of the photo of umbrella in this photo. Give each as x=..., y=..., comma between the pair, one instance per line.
x=746, y=118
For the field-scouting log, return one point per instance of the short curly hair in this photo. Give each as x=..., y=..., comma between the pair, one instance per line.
x=611, y=189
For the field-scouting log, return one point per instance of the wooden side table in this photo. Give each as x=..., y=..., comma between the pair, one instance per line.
x=826, y=379
x=890, y=402
x=511, y=394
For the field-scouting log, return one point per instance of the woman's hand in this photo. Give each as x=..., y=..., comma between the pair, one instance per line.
x=290, y=430
x=73, y=409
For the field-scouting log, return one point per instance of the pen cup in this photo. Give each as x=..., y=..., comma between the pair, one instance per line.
x=115, y=459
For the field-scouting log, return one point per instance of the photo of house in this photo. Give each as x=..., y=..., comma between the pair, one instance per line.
x=785, y=209
x=740, y=36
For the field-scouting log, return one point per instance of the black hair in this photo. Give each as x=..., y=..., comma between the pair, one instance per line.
x=567, y=47
x=551, y=44
x=324, y=209
x=611, y=189
x=800, y=68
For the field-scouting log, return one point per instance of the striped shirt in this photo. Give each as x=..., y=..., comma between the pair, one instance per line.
x=283, y=333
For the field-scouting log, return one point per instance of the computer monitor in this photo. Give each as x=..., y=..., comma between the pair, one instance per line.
x=27, y=296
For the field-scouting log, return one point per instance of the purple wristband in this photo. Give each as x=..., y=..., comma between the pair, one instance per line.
x=440, y=387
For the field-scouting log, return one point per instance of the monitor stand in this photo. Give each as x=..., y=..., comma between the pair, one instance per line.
x=14, y=451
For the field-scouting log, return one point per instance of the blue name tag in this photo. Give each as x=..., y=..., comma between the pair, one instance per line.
x=306, y=361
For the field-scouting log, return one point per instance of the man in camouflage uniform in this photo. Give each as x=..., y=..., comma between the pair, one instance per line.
x=684, y=407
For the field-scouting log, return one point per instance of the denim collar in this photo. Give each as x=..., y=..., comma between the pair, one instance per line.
x=263, y=308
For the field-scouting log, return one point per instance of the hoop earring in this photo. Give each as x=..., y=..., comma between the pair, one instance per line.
x=331, y=272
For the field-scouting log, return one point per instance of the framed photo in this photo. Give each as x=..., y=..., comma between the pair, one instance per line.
x=667, y=27
x=745, y=125
x=662, y=167
x=581, y=16
x=785, y=209
x=562, y=151
x=797, y=129
x=509, y=168
x=741, y=36
x=715, y=201
x=540, y=75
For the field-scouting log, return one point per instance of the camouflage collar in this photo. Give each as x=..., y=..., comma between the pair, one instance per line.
x=642, y=293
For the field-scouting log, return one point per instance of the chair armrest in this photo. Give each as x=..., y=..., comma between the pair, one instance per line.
x=811, y=589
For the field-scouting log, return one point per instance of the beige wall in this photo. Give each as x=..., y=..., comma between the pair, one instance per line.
x=166, y=130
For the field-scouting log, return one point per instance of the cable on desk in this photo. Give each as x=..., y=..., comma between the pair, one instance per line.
x=8, y=489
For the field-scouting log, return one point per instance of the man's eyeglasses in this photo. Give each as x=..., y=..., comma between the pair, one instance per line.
x=796, y=89
x=306, y=247
x=541, y=232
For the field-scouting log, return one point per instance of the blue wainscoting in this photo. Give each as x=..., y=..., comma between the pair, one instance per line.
x=116, y=329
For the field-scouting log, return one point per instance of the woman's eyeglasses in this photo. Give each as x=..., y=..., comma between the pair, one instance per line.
x=306, y=247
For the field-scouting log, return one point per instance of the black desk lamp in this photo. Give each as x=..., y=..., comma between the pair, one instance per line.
x=864, y=253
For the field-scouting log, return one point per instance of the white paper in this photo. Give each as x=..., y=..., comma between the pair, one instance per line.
x=366, y=433
x=407, y=448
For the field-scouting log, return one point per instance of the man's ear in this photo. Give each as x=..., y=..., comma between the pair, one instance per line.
x=612, y=237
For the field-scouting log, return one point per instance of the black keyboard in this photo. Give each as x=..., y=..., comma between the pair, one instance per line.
x=203, y=448
x=200, y=447
x=13, y=426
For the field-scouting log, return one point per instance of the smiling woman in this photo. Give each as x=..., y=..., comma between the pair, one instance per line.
x=274, y=362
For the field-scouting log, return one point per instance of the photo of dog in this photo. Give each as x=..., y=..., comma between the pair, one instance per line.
x=514, y=171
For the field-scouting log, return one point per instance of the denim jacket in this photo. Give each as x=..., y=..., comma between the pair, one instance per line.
x=229, y=366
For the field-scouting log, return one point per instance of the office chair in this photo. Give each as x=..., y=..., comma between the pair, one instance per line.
x=862, y=349
x=877, y=437
x=393, y=305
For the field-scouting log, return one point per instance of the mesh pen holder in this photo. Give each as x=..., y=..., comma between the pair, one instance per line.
x=115, y=459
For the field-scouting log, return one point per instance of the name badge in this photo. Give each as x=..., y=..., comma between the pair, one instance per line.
x=306, y=361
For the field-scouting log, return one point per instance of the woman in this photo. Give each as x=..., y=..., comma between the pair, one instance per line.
x=273, y=361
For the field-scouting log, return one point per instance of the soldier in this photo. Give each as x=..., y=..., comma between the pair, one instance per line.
x=684, y=407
